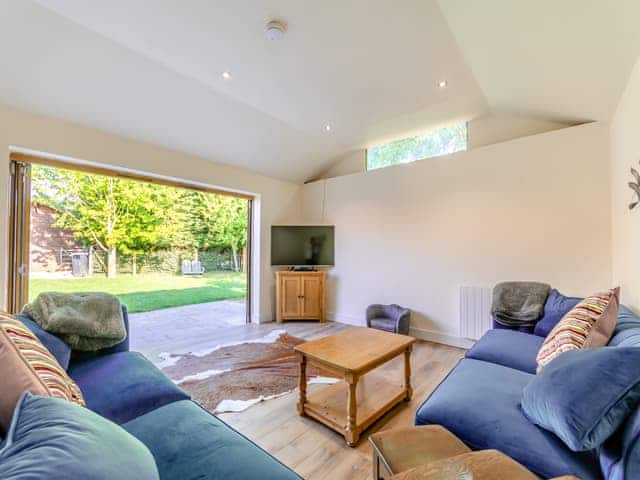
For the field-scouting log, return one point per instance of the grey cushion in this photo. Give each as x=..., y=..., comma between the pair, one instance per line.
x=383, y=324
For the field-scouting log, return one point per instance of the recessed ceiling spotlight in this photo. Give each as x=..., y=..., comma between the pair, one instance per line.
x=327, y=128
x=227, y=75
x=275, y=30
x=442, y=84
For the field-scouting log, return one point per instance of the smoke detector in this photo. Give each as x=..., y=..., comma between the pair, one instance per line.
x=275, y=30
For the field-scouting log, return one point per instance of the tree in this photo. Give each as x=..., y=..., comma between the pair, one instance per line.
x=217, y=221
x=438, y=142
x=111, y=213
x=231, y=225
x=132, y=217
x=150, y=222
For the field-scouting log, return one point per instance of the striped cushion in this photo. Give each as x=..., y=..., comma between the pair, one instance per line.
x=25, y=364
x=589, y=324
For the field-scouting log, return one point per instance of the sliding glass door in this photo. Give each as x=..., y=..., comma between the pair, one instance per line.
x=154, y=243
x=19, y=221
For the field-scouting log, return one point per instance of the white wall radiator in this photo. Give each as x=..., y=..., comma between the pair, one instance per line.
x=475, y=311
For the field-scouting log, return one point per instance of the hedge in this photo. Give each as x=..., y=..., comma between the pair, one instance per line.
x=169, y=261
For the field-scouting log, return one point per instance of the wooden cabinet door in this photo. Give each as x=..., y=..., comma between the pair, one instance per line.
x=311, y=296
x=290, y=289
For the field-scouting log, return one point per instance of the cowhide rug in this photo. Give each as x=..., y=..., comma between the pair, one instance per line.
x=234, y=377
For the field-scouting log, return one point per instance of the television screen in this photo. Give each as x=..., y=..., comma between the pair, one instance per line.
x=302, y=245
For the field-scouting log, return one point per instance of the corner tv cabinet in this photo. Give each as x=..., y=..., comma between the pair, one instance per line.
x=299, y=296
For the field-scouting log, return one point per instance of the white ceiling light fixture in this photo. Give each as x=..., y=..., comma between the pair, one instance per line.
x=275, y=30
x=227, y=75
x=327, y=128
x=442, y=84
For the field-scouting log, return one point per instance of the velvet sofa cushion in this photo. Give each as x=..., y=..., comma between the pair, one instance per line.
x=620, y=454
x=191, y=444
x=58, y=440
x=583, y=396
x=556, y=307
x=508, y=348
x=627, y=331
x=480, y=403
x=55, y=345
x=124, y=385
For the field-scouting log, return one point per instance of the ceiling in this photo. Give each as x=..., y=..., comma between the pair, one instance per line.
x=369, y=68
x=561, y=59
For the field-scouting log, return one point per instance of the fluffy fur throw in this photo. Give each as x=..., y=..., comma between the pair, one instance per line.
x=86, y=321
x=519, y=304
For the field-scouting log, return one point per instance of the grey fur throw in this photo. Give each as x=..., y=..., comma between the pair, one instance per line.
x=519, y=304
x=86, y=321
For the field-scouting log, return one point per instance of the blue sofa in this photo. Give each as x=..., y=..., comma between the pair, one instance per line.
x=479, y=401
x=187, y=442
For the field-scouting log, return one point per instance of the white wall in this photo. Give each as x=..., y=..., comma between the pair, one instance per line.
x=625, y=153
x=500, y=127
x=488, y=129
x=21, y=129
x=536, y=208
x=352, y=162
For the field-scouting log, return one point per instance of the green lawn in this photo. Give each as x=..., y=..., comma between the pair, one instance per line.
x=145, y=292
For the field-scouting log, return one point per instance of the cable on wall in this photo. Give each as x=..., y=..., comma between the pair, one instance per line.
x=324, y=199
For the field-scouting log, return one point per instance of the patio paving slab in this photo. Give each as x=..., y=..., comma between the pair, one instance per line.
x=175, y=330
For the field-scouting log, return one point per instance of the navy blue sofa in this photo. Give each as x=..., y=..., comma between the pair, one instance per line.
x=187, y=442
x=479, y=401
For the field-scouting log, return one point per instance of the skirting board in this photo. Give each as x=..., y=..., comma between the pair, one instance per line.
x=418, y=333
x=443, y=338
x=346, y=319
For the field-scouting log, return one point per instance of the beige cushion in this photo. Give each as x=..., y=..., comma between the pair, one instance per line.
x=405, y=448
x=482, y=465
x=589, y=324
x=26, y=365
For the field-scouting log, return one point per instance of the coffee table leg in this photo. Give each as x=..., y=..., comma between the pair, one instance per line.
x=376, y=466
x=302, y=382
x=407, y=374
x=351, y=432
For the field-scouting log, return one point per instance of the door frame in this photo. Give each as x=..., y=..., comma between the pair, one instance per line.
x=20, y=208
x=18, y=241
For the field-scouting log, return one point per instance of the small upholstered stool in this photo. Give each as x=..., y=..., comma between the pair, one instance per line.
x=397, y=450
x=431, y=452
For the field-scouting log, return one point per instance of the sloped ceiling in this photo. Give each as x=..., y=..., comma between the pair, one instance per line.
x=370, y=68
x=567, y=60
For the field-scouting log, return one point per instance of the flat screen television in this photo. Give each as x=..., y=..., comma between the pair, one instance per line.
x=296, y=246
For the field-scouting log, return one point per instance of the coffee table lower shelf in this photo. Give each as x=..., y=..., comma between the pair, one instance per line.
x=375, y=396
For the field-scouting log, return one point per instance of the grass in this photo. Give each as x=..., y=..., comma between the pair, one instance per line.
x=145, y=292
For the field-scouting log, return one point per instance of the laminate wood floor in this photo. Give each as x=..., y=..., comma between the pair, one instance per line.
x=311, y=449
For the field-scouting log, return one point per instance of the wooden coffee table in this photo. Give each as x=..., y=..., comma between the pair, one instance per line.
x=350, y=406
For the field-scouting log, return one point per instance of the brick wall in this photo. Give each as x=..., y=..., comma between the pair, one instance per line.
x=47, y=241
